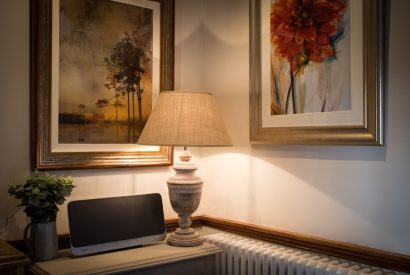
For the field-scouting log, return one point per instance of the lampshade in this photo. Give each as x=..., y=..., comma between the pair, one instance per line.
x=185, y=119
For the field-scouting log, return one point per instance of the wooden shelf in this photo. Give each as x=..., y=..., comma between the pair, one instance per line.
x=153, y=259
x=12, y=261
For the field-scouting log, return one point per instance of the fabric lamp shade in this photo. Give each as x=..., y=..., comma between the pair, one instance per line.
x=182, y=118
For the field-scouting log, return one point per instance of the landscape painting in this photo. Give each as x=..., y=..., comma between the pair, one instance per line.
x=105, y=71
x=310, y=56
x=96, y=68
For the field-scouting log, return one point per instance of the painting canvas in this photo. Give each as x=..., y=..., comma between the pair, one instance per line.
x=105, y=71
x=310, y=56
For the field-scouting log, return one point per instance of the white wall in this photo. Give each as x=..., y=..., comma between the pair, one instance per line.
x=351, y=194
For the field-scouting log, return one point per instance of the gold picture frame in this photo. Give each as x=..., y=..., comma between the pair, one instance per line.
x=370, y=131
x=43, y=156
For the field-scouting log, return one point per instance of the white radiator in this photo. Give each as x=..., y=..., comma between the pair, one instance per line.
x=246, y=256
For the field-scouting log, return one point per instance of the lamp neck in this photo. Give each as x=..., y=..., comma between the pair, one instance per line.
x=186, y=155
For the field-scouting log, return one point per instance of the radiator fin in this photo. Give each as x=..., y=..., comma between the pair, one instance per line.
x=246, y=256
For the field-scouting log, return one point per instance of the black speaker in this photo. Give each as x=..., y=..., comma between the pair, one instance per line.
x=105, y=224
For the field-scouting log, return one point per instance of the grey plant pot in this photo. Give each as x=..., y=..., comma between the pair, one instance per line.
x=41, y=241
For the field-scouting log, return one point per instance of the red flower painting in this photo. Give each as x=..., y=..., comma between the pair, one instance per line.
x=303, y=31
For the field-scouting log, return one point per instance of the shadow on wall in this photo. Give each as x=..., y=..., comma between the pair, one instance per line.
x=227, y=20
x=321, y=152
x=9, y=216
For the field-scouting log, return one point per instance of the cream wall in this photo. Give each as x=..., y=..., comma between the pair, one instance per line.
x=351, y=194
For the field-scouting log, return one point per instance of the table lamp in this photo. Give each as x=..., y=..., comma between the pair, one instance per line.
x=182, y=118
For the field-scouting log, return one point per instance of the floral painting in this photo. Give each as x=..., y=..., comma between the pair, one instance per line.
x=105, y=71
x=310, y=56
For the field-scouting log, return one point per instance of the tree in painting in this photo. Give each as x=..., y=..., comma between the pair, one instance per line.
x=125, y=71
x=302, y=32
x=105, y=58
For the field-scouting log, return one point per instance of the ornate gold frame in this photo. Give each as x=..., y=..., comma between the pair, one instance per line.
x=42, y=157
x=371, y=132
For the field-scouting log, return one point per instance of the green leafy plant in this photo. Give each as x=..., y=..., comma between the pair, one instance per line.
x=40, y=195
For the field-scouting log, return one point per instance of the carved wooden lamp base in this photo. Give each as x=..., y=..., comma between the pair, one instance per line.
x=185, y=194
x=185, y=238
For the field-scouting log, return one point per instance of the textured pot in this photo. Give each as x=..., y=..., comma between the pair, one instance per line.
x=41, y=241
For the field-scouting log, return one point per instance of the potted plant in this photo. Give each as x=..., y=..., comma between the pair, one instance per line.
x=40, y=195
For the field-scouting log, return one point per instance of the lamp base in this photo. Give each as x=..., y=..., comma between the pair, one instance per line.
x=185, y=198
x=185, y=194
x=185, y=238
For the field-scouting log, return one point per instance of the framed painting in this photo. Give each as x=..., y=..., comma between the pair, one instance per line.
x=97, y=67
x=317, y=71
